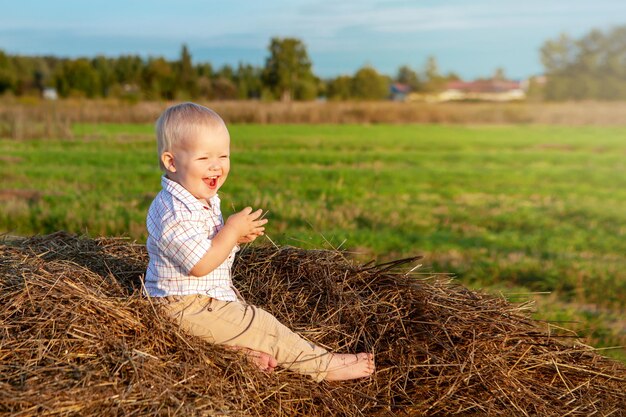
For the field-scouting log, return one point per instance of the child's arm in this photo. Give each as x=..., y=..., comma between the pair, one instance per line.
x=239, y=225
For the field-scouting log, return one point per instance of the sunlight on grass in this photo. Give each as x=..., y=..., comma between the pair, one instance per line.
x=535, y=207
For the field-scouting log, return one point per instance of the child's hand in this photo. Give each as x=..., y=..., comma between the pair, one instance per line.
x=249, y=238
x=248, y=224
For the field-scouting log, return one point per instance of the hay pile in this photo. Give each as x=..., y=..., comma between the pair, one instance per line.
x=79, y=339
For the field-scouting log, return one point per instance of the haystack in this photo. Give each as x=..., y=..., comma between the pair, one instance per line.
x=78, y=338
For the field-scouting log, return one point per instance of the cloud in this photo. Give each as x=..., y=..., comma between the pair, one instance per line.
x=324, y=23
x=341, y=25
x=411, y=17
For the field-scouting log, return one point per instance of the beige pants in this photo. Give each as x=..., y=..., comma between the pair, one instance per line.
x=238, y=324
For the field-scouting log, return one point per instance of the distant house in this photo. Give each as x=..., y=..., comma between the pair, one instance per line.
x=399, y=91
x=483, y=90
x=50, y=93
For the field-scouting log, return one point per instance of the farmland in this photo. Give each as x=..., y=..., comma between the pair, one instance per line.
x=512, y=209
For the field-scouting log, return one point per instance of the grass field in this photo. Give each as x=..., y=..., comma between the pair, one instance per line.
x=516, y=209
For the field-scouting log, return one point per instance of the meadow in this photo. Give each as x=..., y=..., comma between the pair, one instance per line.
x=531, y=211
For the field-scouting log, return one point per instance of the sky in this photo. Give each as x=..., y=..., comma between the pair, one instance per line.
x=471, y=38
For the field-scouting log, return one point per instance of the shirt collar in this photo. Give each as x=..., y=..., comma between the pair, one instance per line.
x=181, y=193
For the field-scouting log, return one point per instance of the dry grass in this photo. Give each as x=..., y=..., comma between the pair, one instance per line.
x=33, y=118
x=79, y=339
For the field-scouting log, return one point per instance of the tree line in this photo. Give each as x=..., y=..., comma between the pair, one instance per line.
x=593, y=67
x=286, y=75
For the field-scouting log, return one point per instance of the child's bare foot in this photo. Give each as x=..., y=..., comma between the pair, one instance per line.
x=350, y=366
x=263, y=361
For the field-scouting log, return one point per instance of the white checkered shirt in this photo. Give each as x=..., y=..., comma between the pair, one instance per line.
x=180, y=229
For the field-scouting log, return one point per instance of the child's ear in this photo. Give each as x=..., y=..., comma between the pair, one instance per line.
x=168, y=161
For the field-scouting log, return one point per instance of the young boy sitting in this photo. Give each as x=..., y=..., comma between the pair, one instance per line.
x=192, y=251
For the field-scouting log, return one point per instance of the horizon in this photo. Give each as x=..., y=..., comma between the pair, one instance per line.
x=472, y=41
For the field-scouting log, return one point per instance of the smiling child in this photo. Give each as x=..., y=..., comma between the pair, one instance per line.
x=192, y=251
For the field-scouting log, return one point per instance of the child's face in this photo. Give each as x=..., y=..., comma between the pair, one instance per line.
x=201, y=163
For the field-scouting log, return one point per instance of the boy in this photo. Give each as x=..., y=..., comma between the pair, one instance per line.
x=192, y=251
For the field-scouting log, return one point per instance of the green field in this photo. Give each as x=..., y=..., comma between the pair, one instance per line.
x=515, y=209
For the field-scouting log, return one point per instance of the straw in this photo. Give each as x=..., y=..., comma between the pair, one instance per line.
x=79, y=338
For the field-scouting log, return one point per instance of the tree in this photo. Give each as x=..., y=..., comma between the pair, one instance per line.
x=248, y=81
x=589, y=68
x=24, y=70
x=186, y=81
x=104, y=68
x=7, y=74
x=434, y=81
x=288, y=71
x=226, y=72
x=223, y=88
x=340, y=88
x=368, y=84
x=204, y=69
x=499, y=74
x=557, y=57
x=205, y=87
x=409, y=77
x=431, y=69
x=159, y=79
x=77, y=77
x=128, y=69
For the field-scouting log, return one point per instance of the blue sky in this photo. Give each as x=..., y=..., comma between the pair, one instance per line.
x=469, y=37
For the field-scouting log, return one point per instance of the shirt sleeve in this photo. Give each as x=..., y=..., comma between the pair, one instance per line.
x=185, y=243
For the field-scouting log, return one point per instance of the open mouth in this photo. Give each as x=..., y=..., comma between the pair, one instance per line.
x=211, y=181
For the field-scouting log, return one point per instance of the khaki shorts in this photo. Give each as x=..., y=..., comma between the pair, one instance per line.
x=234, y=323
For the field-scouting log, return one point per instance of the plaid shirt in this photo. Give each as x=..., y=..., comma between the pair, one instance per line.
x=180, y=229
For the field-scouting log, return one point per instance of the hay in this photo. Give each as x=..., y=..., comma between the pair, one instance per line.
x=79, y=339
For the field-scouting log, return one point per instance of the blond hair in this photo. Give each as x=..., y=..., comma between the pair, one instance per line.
x=183, y=121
